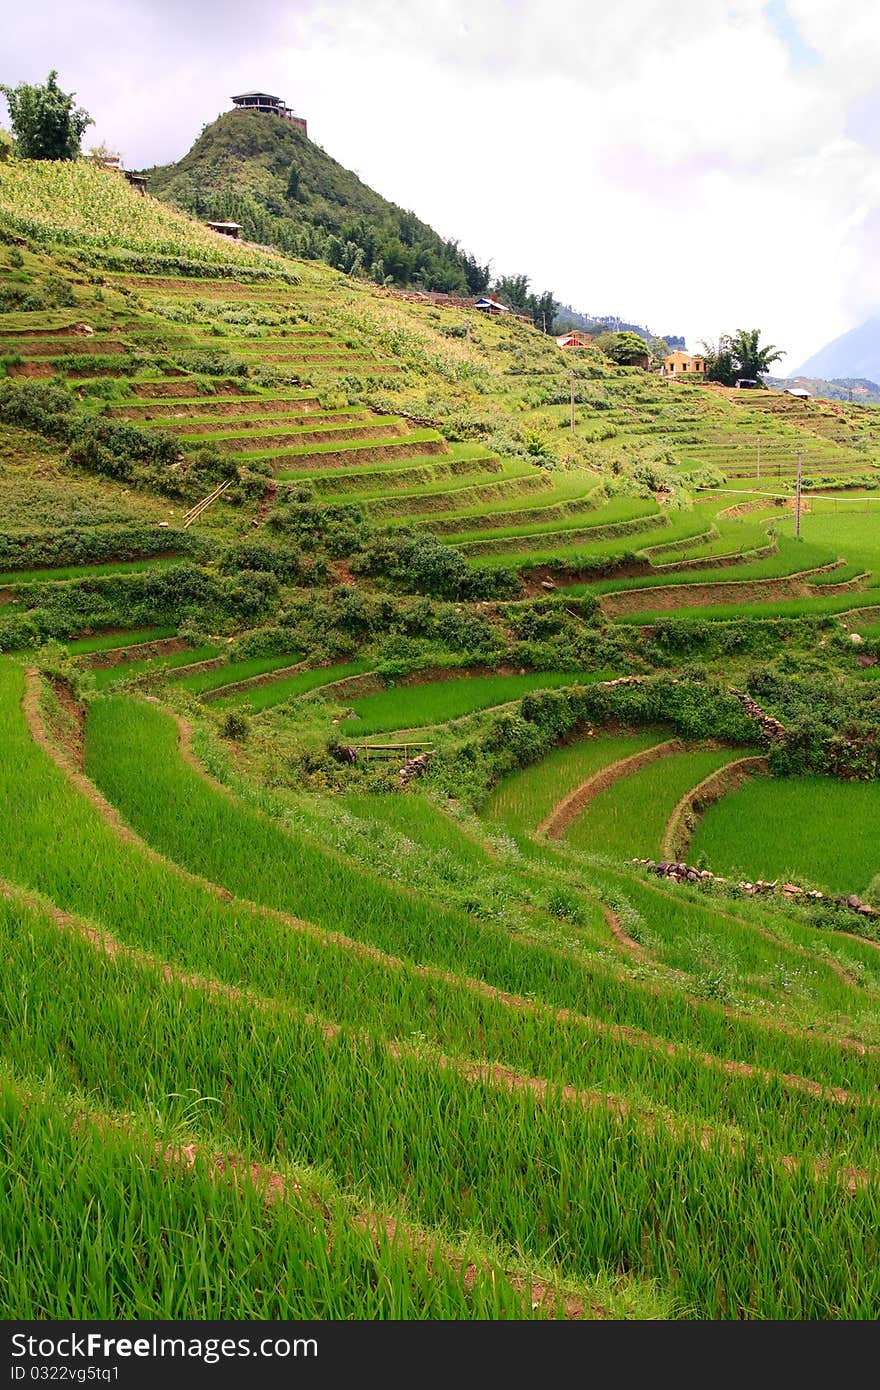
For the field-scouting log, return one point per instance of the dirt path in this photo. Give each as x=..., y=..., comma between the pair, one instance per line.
x=570, y=807
x=612, y=921
x=684, y=818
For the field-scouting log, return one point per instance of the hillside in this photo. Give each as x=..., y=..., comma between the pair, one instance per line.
x=264, y=173
x=847, y=388
x=853, y=354
x=440, y=804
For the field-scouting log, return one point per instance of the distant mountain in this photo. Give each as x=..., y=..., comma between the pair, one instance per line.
x=847, y=388
x=853, y=354
x=567, y=317
x=261, y=171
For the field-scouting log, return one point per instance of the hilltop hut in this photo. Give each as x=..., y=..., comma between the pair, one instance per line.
x=273, y=106
x=232, y=229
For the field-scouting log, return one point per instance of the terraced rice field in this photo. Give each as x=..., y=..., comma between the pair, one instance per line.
x=628, y=818
x=494, y=1124
x=116, y=641
x=435, y=702
x=231, y=672
x=21, y=578
x=279, y=691
x=483, y=1066
x=805, y=830
x=522, y=801
x=105, y=676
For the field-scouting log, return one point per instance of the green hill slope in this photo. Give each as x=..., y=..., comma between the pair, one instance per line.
x=285, y=190
x=295, y=1024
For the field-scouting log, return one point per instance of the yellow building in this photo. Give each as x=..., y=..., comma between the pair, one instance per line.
x=683, y=364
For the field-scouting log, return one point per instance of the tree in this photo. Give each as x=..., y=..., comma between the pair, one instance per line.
x=625, y=348
x=721, y=364
x=543, y=311
x=513, y=290
x=5, y=144
x=44, y=120
x=659, y=350
x=752, y=359
x=738, y=355
x=102, y=154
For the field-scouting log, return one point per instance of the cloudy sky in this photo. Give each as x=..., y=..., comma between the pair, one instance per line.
x=696, y=165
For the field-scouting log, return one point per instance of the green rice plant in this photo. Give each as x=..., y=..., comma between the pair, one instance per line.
x=521, y=801
x=113, y=641
x=105, y=676
x=233, y=671
x=185, y=1243
x=812, y=830
x=21, y=578
x=790, y=558
x=436, y=702
x=278, y=692
x=132, y=752
x=610, y=513
x=527, y=1173
x=80, y=203
x=627, y=819
x=770, y=608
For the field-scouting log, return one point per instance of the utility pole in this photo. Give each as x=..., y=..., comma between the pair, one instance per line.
x=797, y=503
x=572, y=402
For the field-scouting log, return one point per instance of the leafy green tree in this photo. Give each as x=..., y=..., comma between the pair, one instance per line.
x=739, y=354
x=477, y=275
x=659, y=349
x=513, y=290
x=5, y=145
x=45, y=121
x=625, y=348
x=544, y=311
x=721, y=364
x=752, y=359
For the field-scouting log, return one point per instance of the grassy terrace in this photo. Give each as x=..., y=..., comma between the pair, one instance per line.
x=21, y=578
x=768, y=608
x=435, y=702
x=233, y=671
x=522, y=801
x=628, y=818
x=105, y=676
x=113, y=641
x=789, y=558
x=800, y=829
x=197, y=1224
x=542, y=1067
x=278, y=692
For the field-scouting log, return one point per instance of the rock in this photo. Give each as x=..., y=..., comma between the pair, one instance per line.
x=547, y=584
x=856, y=639
x=853, y=901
